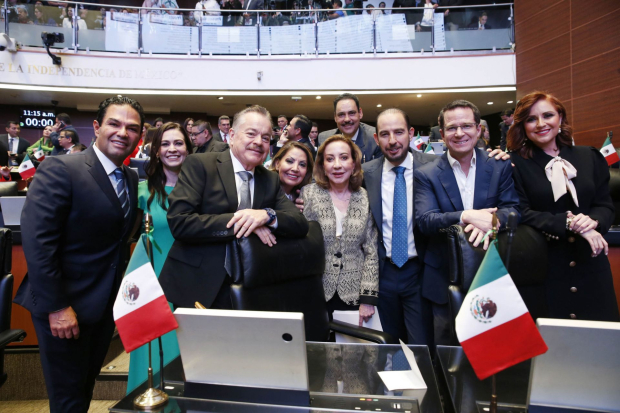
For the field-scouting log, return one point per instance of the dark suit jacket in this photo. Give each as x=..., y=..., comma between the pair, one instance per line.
x=254, y=5
x=70, y=263
x=438, y=205
x=373, y=172
x=54, y=136
x=435, y=134
x=4, y=156
x=212, y=146
x=504, y=130
x=22, y=146
x=217, y=136
x=474, y=25
x=308, y=144
x=201, y=204
x=365, y=141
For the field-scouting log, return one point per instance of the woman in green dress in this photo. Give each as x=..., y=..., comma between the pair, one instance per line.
x=170, y=147
x=45, y=142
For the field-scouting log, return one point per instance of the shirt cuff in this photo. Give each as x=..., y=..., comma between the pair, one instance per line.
x=461, y=219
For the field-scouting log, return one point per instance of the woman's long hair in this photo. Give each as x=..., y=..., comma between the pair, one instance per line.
x=516, y=138
x=278, y=157
x=155, y=168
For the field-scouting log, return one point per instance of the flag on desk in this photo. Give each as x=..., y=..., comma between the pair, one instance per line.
x=494, y=326
x=417, y=144
x=39, y=154
x=141, y=311
x=609, y=152
x=26, y=168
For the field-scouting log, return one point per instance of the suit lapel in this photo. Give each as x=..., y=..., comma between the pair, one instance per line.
x=448, y=181
x=484, y=173
x=102, y=179
x=260, y=177
x=227, y=175
x=373, y=187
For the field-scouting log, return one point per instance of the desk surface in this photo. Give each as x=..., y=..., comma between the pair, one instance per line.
x=470, y=395
x=355, y=365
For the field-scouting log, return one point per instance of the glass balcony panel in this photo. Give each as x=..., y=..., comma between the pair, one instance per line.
x=287, y=33
x=237, y=35
x=350, y=34
x=167, y=33
x=121, y=32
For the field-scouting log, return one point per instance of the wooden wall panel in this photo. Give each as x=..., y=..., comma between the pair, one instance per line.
x=543, y=27
x=600, y=36
x=598, y=74
x=549, y=57
x=589, y=81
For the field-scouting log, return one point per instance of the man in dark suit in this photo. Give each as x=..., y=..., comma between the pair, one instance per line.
x=463, y=186
x=203, y=139
x=507, y=119
x=220, y=196
x=13, y=142
x=223, y=125
x=400, y=269
x=78, y=216
x=481, y=23
x=63, y=122
x=299, y=130
x=347, y=115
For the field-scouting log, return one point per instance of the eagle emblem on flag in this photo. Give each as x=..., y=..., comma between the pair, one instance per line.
x=483, y=309
x=131, y=292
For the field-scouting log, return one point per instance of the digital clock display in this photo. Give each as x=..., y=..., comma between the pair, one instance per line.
x=36, y=119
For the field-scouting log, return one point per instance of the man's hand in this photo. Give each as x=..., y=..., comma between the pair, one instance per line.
x=266, y=235
x=6, y=172
x=366, y=311
x=64, y=324
x=476, y=236
x=247, y=220
x=56, y=127
x=499, y=154
x=479, y=218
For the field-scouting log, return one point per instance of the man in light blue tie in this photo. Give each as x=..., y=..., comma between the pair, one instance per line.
x=390, y=186
x=17, y=146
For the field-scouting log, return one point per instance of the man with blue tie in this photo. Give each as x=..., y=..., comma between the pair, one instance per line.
x=390, y=186
x=465, y=187
x=78, y=216
x=17, y=146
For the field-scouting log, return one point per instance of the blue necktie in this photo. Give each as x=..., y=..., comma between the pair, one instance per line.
x=399, y=219
x=120, y=191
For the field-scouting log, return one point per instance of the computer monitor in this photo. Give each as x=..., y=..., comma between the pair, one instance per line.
x=12, y=209
x=581, y=369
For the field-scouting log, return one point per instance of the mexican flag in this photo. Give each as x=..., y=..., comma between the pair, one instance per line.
x=417, y=144
x=141, y=311
x=39, y=154
x=429, y=148
x=609, y=152
x=494, y=326
x=26, y=168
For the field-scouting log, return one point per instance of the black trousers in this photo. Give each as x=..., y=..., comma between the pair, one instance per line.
x=70, y=366
x=400, y=302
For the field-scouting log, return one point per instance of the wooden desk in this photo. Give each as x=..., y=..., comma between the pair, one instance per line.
x=20, y=317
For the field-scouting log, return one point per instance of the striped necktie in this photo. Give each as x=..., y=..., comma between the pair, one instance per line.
x=121, y=192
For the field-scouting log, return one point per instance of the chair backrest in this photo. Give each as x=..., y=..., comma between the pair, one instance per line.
x=6, y=251
x=614, y=190
x=285, y=277
x=8, y=188
x=140, y=165
x=528, y=262
x=6, y=292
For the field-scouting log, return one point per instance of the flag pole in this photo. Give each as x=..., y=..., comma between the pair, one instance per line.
x=493, y=407
x=152, y=397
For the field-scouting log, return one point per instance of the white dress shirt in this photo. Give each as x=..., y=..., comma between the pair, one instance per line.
x=13, y=142
x=109, y=168
x=466, y=184
x=388, y=178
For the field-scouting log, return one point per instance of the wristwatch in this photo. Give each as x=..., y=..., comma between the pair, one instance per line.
x=272, y=215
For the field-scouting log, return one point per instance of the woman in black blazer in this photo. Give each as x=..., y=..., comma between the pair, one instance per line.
x=564, y=192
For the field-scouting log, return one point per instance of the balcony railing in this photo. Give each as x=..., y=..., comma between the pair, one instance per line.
x=97, y=27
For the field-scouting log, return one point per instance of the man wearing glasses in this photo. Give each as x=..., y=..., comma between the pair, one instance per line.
x=463, y=186
x=202, y=138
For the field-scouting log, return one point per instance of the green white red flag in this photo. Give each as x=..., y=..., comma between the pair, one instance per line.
x=609, y=152
x=39, y=154
x=26, y=168
x=141, y=311
x=494, y=326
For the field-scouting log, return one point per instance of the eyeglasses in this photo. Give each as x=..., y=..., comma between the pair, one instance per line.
x=466, y=127
x=196, y=134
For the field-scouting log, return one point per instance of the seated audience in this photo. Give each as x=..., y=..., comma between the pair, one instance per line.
x=294, y=165
x=22, y=15
x=340, y=205
x=206, y=8
x=67, y=22
x=202, y=137
x=481, y=23
x=45, y=142
x=337, y=10
x=564, y=193
x=231, y=18
x=41, y=18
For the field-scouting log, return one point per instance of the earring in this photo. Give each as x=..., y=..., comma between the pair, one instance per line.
x=559, y=130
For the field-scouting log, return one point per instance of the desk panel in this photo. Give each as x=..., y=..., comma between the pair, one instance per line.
x=20, y=317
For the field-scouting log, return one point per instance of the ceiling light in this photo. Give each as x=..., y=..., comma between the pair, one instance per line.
x=318, y=97
x=221, y=97
x=379, y=105
x=489, y=103
x=419, y=95
x=510, y=101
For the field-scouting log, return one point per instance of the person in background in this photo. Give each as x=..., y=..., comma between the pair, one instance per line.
x=78, y=148
x=314, y=134
x=223, y=132
x=564, y=193
x=203, y=138
x=294, y=165
x=67, y=22
x=158, y=121
x=340, y=205
x=63, y=122
x=45, y=142
x=171, y=146
x=187, y=125
x=504, y=125
x=67, y=140
x=41, y=18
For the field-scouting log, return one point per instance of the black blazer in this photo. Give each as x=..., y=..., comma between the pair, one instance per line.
x=201, y=204
x=438, y=205
x=22, y=146
x=212, y=146
x=373, y=171
x=365, y=141
x=76, y=243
